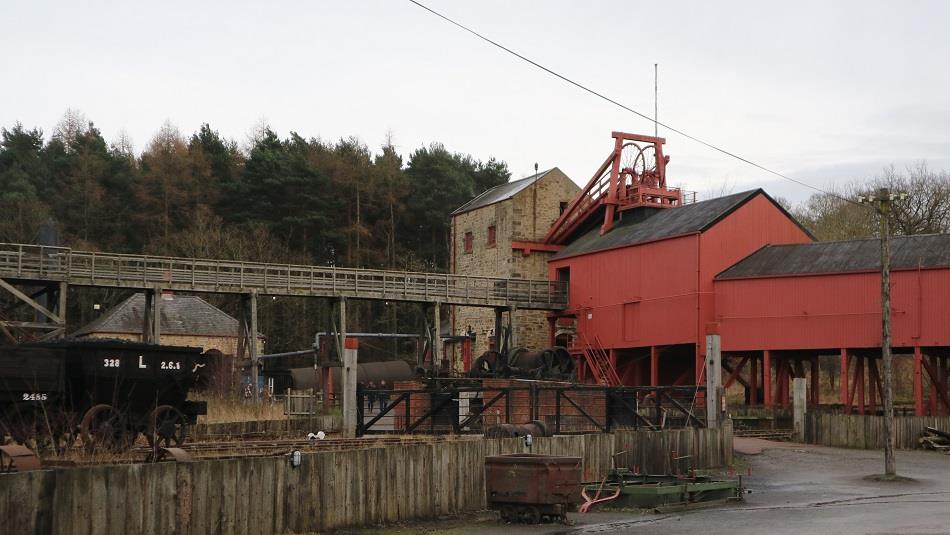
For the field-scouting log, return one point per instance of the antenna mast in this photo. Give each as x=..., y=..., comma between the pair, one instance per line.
x=655, y=85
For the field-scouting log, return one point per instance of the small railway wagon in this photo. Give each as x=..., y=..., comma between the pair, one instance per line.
x=104, y=392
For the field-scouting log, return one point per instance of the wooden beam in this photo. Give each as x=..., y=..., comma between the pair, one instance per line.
x=26, y=299
x=735, y=373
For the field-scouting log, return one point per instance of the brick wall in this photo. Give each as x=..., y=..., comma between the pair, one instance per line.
x=525, y=217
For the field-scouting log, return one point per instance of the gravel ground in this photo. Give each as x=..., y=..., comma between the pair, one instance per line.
x=794, y=489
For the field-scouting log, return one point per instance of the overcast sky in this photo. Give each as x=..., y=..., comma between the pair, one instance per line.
x=827, y=92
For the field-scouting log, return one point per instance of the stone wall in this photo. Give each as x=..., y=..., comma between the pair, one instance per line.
x=525, y=217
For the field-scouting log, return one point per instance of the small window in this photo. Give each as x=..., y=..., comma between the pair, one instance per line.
x=563, y=206
x=468, y=242
x=491, y=235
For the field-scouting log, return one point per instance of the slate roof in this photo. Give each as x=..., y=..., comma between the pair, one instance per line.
x=500, y=193
x=662, y=223
x=186, y=315
x=907, y=252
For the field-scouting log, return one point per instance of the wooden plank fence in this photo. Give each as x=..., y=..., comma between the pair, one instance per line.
x=334, y=489
x=298, y=427
x=867, y=432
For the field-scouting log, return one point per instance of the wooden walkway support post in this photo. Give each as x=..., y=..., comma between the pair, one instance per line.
x=152, y=324
x=436, y=337
x=248, y=342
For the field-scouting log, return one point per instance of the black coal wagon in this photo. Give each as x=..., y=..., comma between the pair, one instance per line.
x=104, y=391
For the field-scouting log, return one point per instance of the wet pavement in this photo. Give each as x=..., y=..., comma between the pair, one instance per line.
x=794, y=489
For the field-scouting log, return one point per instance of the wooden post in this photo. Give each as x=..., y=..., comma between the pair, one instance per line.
x=713, y=380
x=918, y=382
x=250, y=325
x=799, y=400
x=152, y=328
x=654, y=366
x=498, y=337
x=61, y=305
x=767, y=378
x=436, y=338
x=844, y=376
x=815, y=382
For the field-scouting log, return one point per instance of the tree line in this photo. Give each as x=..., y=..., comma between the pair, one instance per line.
x=308, y=201
x=276, y=199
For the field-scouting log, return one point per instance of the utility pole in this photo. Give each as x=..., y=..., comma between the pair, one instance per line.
x=882, y=203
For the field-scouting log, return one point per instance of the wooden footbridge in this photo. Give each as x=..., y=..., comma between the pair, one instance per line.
x=35, y=263
x=39, y=276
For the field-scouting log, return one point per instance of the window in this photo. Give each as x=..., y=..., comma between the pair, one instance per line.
x=491, y=235
x=563, y=206
x=468, y=242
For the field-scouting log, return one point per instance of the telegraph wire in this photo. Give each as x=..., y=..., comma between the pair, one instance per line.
x=627, y=108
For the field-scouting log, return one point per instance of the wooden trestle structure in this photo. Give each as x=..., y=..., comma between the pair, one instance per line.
x=766, y=376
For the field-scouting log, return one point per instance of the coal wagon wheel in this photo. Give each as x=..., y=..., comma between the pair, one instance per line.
x=103, y=428
x=167, y=427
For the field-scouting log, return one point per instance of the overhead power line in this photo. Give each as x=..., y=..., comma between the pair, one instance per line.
x=627, y=108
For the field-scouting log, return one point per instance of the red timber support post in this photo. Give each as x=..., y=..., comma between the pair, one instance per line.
x=815, y=382
x=933, y=385
x=843, y=377
x=754, y=380
x=918, y=382
x=767, y=378
x=654, y=366
x=859, y=381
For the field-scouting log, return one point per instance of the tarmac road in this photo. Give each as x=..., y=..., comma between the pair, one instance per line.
x=795, y=489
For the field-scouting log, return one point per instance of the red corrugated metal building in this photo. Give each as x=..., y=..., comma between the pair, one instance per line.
x=650, y=275
x=786, y=306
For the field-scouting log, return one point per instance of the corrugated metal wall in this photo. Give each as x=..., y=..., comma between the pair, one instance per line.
x=833, y=311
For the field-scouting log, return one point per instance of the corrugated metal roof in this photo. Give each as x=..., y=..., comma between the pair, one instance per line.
x=907, y=252
x=661, y=223
x=180, y=314
x=500, y=193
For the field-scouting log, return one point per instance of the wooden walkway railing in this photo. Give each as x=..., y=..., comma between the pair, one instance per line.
x=45, y=263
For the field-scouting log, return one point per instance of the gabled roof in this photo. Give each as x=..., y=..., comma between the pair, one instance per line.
x=180, y=315
x=907, y=252
x=500, y=193
x=662, y=223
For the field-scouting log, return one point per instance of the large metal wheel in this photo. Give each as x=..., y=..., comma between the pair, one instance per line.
x=167, y=427
x=103, y=429
x=530, y=515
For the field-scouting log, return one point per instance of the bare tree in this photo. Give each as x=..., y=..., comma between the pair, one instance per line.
x=70, y=128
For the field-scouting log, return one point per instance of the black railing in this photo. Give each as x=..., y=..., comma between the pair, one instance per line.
x=562, y=409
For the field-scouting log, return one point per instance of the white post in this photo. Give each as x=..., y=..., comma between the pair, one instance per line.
x=713, y=380
x=348, y=376
x=799, y=400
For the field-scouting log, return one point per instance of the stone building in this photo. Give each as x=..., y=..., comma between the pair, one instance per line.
x=499, y=234
x=186, y=320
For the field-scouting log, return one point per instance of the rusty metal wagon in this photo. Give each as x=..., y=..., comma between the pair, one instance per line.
x=530, y=488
